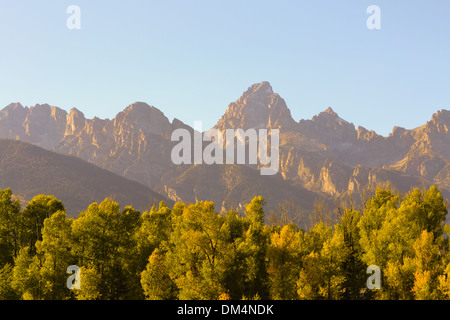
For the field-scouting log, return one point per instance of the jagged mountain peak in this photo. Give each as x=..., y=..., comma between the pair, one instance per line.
x=364, y=134
x=257, y=95
x=330, y=111
x=75, y=111
x=329, y=114
x=262, y=88
x=438, y=124
x=45, y=112
x=441, y=116
x=330, y=129
x=258, y=107
x=442, y=113
x=397, y=131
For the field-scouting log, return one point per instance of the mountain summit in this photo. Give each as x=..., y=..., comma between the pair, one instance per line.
x=144, y=117
x=258, y=107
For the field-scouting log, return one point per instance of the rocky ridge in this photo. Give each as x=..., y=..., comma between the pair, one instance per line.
x=325, y=156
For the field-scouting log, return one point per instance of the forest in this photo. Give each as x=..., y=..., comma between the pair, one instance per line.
x=192, y=252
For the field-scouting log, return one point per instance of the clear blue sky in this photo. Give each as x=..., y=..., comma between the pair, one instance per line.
x=191, y=58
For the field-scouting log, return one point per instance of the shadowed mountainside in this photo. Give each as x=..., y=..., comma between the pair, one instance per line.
x=30, y=170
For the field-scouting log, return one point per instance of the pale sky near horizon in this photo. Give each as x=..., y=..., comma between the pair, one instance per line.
x=191, y=58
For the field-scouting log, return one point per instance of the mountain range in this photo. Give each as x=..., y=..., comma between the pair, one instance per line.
x=320, y=158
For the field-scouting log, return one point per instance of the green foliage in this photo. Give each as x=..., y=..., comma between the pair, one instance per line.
x=197, y=252
x=54, y=256
x=284, y=255
x=353, y=268
x=6, y=277
x=104, y=243
x=9, y=227
x=156, y=280
x=37, y=210
x=192, y=252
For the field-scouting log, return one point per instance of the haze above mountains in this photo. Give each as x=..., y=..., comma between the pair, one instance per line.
x=323, y=157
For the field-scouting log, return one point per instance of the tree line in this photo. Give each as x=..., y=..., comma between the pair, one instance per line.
x=190, y=251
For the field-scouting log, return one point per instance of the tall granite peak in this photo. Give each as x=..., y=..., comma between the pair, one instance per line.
x=258, y=107
x=262, y=88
